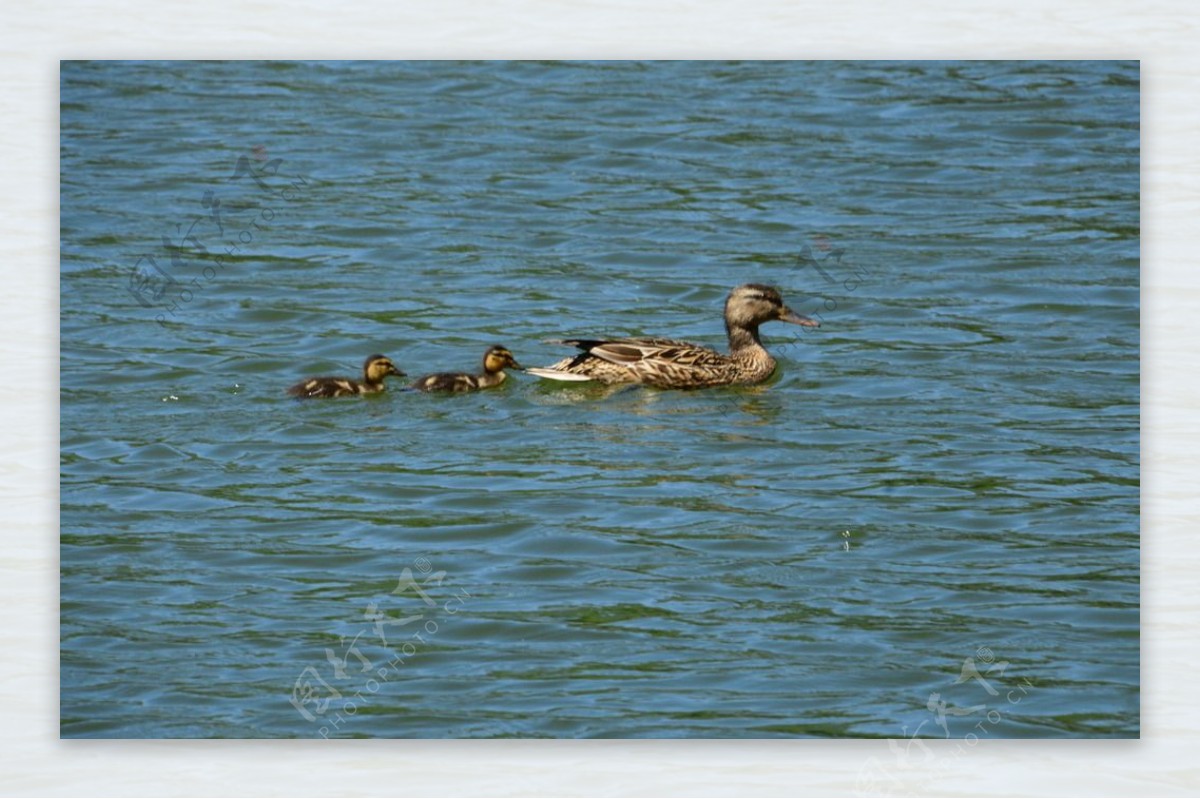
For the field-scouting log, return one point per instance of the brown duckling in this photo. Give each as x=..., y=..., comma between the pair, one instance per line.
x=494, y=362
x=375, y=369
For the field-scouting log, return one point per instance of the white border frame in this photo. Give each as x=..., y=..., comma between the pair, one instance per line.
x=35, y=38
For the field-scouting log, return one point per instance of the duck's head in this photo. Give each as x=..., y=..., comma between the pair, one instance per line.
x=377, y=367
x=497, y=358
x=750, y=305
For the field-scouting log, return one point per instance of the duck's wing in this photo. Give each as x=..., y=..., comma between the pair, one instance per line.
x=631, y=360
x=324, y=387
x=446, y=381
x=633, y=352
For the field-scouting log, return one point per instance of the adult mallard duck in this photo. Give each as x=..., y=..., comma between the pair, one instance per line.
x=665, y=363
x=375, y=369
x=494, y=362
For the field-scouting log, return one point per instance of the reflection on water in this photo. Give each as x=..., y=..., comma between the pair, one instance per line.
x=944, y=477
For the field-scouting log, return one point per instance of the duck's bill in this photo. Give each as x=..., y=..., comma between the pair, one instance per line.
x=791, y=316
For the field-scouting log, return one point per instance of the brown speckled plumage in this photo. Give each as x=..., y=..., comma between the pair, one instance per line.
x=375, y=369
x=494, y=362
x=666, y=363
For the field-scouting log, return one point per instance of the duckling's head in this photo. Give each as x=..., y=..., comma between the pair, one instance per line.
x=377, y=367
x=496, y=358
x=750, y=305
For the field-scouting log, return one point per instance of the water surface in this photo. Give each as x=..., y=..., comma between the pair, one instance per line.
x=926, y=520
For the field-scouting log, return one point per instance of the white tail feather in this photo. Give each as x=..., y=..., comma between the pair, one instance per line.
x=554, y=374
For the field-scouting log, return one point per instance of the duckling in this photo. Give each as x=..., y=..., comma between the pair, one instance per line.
x=665, y=363
x=494, y=361
x=375, y=369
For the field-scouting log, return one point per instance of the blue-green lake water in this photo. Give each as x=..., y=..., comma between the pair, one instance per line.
x=926, y=522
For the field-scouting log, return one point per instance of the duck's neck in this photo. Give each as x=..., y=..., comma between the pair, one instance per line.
x=743, y=340
x=369, y=386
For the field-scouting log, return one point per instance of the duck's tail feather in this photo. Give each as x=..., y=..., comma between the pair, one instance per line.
x=581, y=343
x=555, y=374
